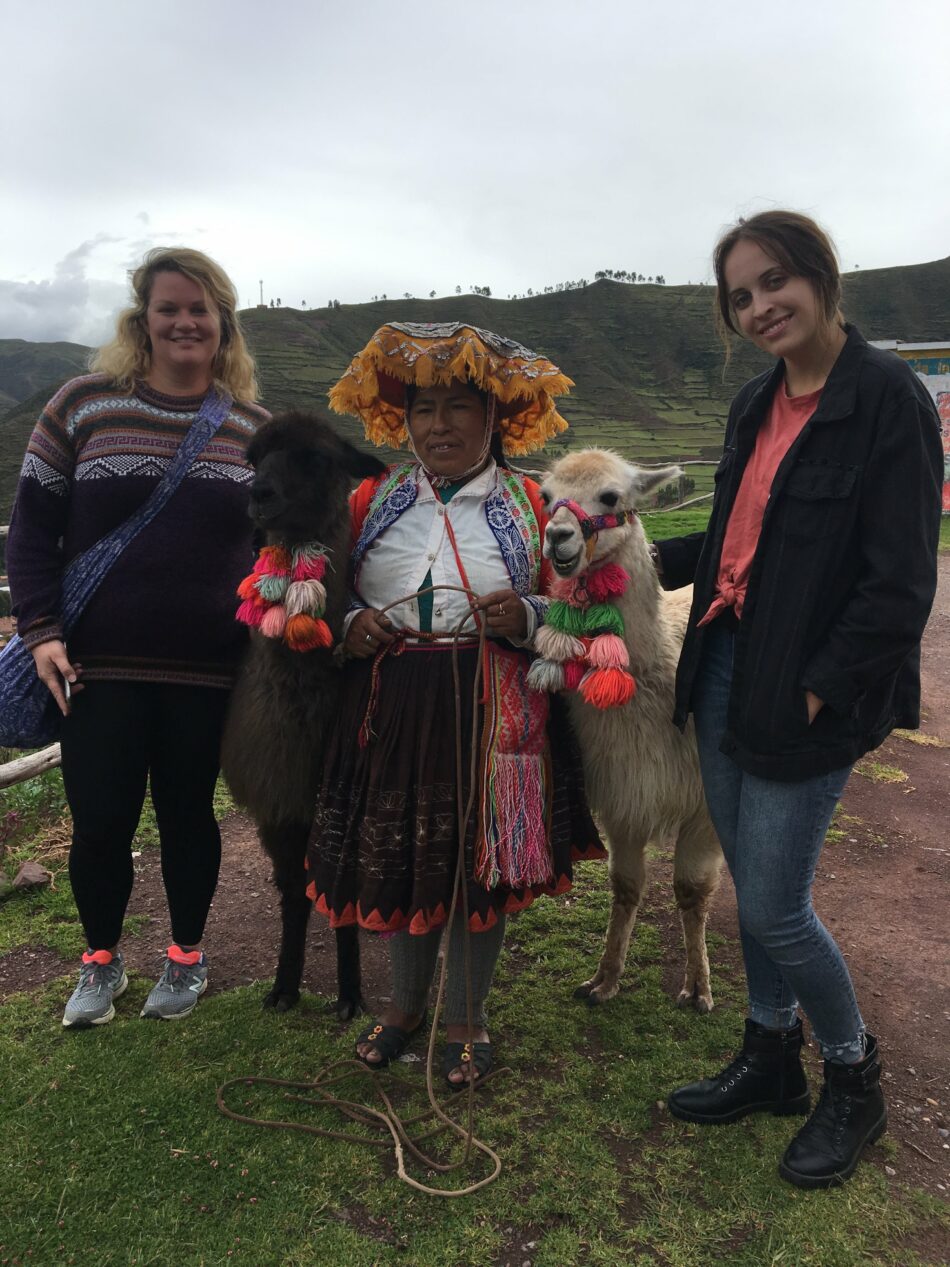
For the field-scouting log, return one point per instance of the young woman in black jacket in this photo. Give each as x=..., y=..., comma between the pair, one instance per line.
x=813, y=583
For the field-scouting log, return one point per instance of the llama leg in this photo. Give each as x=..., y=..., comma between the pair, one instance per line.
x=285, y=845
x=627, y=879
x=696, y=866
x=350, y=995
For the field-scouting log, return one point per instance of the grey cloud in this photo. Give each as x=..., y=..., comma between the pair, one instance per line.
x=69, y=306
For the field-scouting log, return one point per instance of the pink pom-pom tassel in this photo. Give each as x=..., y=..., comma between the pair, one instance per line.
x=562, y=587
x=273, y=561
x=250, y=613
x=607, y=582
x=275, y=618
x=310, y=567
x=607, y=651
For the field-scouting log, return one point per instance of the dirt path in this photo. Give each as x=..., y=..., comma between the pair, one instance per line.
x=882, y=889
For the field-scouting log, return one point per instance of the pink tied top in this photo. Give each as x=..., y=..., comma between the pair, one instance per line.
x=786, y=418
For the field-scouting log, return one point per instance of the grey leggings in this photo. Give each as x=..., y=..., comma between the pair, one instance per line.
x=413, y=959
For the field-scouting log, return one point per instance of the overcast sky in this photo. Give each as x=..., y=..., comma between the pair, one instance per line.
x=342, y=150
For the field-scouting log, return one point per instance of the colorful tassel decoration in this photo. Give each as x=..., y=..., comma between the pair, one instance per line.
x=581, y=643
x=309, y=562
x=248, y=589
x=610, y=581
x=271, y=588
x=546, y=675
x=554, y=645
x=273, y=621
x=284, y=596
x=607, y=688
x=303, y=633
x=567, y=618
x=607, y=651
x=574, y=672
x=251, y=613
x=274, y=560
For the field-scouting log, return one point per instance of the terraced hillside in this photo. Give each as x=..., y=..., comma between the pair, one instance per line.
x=646, y=360
x=650, y=371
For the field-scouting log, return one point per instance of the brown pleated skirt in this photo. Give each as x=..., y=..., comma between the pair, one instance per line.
x=384, y=845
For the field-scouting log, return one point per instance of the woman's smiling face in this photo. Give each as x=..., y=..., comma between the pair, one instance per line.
x=184, y=330
x=447, y=426
x=776, y=311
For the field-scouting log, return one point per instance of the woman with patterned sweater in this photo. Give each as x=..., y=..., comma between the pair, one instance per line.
x=144, y=682
x=385, y=842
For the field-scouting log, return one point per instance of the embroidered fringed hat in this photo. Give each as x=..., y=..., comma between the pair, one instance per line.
x=424, y=354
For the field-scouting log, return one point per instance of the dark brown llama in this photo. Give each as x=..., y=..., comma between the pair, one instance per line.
x=285, y=702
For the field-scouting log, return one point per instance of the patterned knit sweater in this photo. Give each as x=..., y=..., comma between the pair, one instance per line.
x=165, y=610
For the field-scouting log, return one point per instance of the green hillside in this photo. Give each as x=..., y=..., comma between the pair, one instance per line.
x=650, y=371
x=27, y=367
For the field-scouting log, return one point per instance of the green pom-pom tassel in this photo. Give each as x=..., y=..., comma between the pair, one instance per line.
x=567, y=619
x=602, y=618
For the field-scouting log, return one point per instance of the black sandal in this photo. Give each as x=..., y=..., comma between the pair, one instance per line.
x=389, y=1040
x=478, y=1055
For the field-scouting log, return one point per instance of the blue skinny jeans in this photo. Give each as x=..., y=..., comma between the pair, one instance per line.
x=772, y=834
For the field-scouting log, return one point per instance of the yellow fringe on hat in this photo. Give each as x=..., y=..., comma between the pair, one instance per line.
x=523, y=382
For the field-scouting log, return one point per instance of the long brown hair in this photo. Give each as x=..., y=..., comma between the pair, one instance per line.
x=794, y=241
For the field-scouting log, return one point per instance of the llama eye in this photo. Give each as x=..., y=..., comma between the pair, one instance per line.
x=609, y=499
x=545, y=498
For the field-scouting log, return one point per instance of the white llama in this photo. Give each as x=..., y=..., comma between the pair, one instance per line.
x=642, y=774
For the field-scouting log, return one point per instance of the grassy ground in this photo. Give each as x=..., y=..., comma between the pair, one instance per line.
x=115, y=1152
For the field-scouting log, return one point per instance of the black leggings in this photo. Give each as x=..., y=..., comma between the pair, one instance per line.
x=118, y=735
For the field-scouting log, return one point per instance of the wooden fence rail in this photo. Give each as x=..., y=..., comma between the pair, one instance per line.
x=30, y=766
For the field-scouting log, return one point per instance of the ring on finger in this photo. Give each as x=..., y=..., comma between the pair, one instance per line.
x=369, y=638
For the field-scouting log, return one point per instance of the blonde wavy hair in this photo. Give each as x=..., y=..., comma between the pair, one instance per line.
x=129, y=355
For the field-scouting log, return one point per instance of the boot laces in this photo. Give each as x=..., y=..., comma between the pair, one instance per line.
x=830, y=1118
x=733, y=1072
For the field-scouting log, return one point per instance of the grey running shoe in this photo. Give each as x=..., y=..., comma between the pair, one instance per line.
x=176, y=991
x=99, y=983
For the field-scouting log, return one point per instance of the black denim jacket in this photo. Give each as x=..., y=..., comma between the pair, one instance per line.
x=844, y=572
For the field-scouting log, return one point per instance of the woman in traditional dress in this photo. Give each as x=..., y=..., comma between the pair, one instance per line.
x=144, y=682
x=385, y=841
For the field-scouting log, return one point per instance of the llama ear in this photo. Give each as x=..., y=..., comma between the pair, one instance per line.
x=646, y=481
x=360, y=465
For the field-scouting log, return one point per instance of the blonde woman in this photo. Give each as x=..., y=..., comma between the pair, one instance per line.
x=144, y=681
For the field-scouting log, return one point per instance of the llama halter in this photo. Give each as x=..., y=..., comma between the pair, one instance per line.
x=592, y=525
x=284, y=596
x=581, y=643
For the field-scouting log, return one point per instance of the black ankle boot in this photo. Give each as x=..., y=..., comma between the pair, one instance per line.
x=766, y=1077
x=850, y=1113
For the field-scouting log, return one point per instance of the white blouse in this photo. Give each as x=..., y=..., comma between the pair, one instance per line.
x=418, y=542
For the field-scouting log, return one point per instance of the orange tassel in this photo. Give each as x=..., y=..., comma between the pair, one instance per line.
x=608, y=688
x=303, y=633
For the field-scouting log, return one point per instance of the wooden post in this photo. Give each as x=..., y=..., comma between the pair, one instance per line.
x=28, y=767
